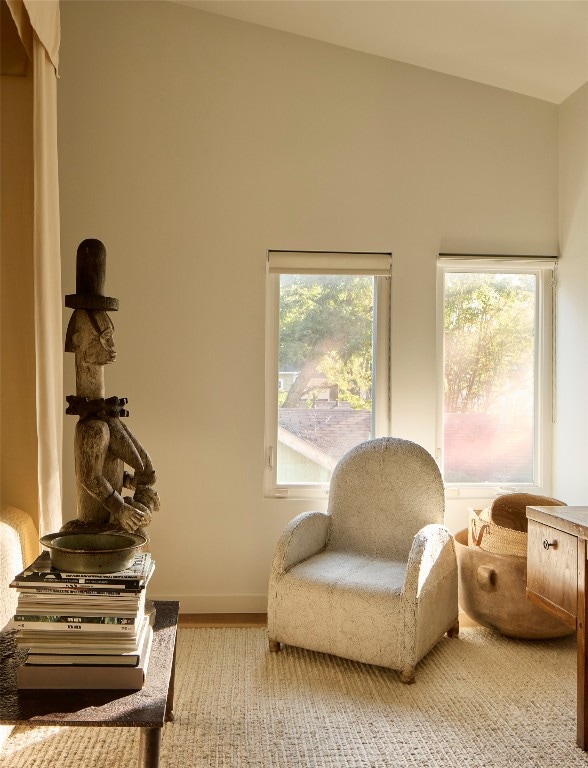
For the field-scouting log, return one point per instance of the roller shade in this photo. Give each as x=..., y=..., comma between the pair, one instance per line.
x=493, y=261
x=324, y=263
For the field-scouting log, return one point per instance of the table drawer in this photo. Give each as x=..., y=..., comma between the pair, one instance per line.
x=552, y=566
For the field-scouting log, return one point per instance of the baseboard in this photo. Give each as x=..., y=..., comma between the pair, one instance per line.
x=217, y=603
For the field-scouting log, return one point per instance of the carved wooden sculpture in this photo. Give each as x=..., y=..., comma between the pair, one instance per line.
x=103, y=444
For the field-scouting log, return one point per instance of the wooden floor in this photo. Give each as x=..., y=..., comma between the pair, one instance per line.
x=222, y=620
x=196, y=620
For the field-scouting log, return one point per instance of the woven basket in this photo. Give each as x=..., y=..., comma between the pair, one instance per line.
x=491, y=537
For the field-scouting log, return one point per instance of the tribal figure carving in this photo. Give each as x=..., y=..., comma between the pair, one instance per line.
x=103, y=444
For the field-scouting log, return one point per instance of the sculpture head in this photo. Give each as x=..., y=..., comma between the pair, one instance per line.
x=90, y=277
x=90, y=334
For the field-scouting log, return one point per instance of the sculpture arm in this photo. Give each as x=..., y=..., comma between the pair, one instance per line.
x=145, y=473
x=130, y=450
x=303, y=537
x=432, y=557
x=126, y=446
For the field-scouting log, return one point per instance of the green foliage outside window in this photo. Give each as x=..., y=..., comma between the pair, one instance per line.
x=489, y=339
x=326, y=324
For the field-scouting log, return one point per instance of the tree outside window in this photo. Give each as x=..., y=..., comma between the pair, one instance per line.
x=489, y=377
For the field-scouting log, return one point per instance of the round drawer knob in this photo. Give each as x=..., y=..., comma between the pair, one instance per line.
x=547, y=544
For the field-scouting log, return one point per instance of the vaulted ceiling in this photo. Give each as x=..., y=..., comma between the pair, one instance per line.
x=534, y=47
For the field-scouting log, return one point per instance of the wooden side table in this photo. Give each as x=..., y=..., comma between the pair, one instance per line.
x=556, y=580
x=147, y=709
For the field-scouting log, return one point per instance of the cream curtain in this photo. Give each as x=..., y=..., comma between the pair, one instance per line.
x=38, y=25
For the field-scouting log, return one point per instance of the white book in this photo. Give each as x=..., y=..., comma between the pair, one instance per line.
x=39, y=603
x=27, y=630
x=132, y=658
x=48, y=595
x=82, y=642
x=27, y=610
x=80, y=677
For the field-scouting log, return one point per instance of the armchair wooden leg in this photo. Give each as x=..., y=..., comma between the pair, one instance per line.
x=274, y=645
x=454, y=630
x=407, y=675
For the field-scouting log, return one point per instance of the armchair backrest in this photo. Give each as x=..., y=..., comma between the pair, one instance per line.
x=382, y=493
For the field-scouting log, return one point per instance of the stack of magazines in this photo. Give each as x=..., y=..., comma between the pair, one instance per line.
x=84, y=630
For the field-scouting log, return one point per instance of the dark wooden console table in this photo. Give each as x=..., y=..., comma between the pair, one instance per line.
x=557, y=580
x=147, y=709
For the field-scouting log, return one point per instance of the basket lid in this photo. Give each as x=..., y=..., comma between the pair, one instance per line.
x=510, y=510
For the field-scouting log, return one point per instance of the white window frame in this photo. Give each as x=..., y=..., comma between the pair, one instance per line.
x=545, y=270
x=319, y=262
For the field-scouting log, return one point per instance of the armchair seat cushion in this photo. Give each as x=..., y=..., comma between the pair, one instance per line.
x=348, y=572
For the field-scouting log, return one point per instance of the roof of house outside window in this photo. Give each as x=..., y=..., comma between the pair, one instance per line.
x=332, y=430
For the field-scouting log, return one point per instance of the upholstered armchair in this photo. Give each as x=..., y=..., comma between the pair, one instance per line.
x=375, y=578
x=19, y=546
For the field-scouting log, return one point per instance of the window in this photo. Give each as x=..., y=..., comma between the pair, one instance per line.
x=497, y=350
x=328, y=360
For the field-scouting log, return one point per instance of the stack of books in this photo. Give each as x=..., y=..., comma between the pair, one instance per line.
x=84, y=630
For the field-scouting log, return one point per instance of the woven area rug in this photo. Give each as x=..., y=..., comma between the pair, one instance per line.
x=479, y=701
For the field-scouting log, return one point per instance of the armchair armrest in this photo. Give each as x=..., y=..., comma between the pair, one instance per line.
x=304, y=536
x=432, y=557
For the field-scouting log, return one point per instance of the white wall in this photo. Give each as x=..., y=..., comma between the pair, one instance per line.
x=571, y=426
x=190, y=144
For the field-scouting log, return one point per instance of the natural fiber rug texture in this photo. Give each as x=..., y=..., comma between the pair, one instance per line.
x=480, y=700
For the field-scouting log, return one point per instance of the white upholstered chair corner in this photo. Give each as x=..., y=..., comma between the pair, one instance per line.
x=375, y=578
x=19, y=546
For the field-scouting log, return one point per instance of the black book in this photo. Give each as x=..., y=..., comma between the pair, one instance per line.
x=41, y=573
